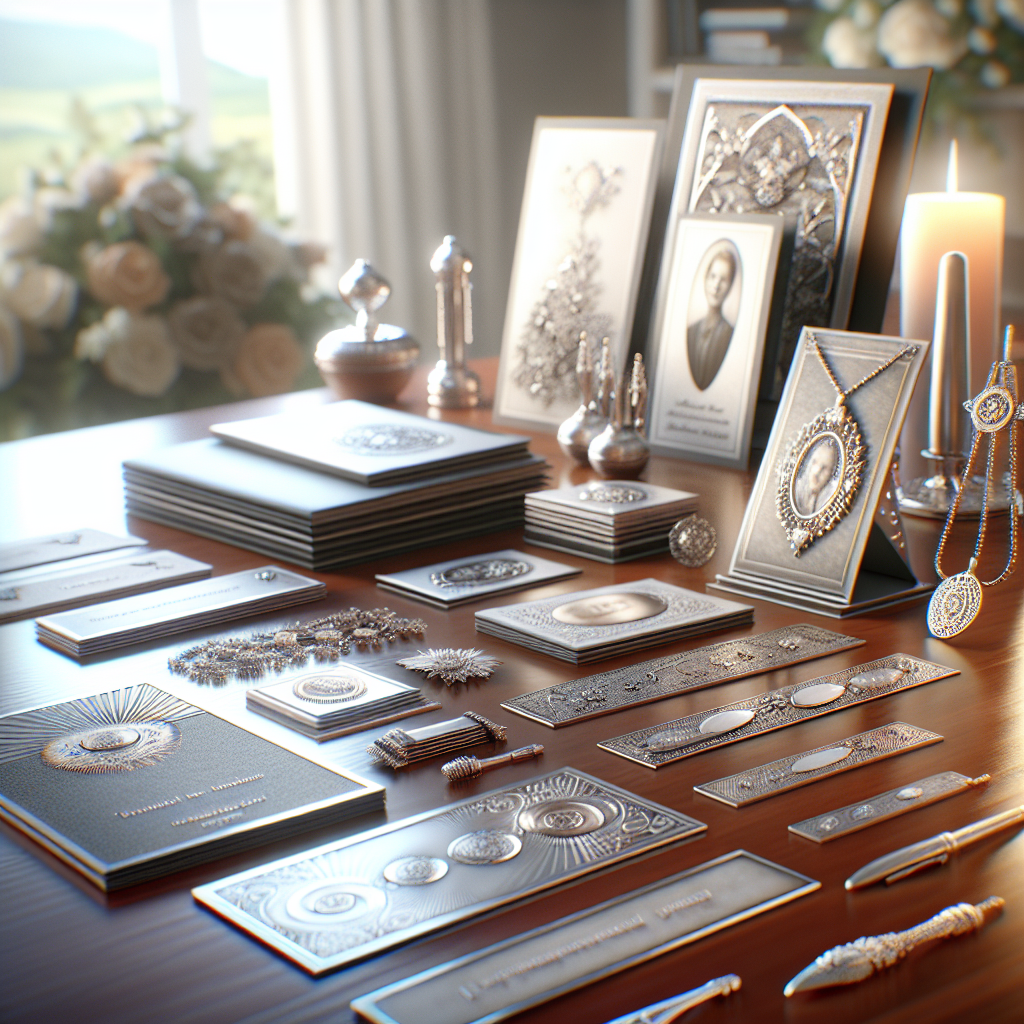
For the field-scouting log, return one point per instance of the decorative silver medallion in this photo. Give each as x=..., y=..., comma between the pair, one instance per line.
x=992, y=409
x=613, y=494
x=113, y=748
x=954, y=605
x=566, y=817
x=485, y=846
x=490, y=570
x=391, y=439
x=324, y=904
x=416, y=870
x=819, y=477
x=324, y=688
x=609, y=609
x=693, y=541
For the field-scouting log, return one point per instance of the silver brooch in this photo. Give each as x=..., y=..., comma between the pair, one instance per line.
x=452, y=665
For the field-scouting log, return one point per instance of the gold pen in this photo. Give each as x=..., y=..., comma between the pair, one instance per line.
x=929, y=852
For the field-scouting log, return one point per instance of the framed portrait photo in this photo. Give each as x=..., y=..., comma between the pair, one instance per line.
x=814, y=535
x=805, y=151
x=583, y=232
x=710, y=329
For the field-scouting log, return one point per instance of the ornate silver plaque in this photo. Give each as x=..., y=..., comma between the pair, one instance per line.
x=605, y=692
x=488, y=570
x=609, y=609
x=833, y=824
x=377, y=882
x=799, y=769
x=658, y=745
x=525, y=971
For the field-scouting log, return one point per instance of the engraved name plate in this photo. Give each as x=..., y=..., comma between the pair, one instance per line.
x=605, y=692
x=659, y=745
x=799, y=769
x=853, y=817
x=334, y=904
x=539, y=965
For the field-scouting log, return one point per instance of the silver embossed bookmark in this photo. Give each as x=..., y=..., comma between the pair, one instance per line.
x=853, y=817
x=799, y=769
x=658, y=745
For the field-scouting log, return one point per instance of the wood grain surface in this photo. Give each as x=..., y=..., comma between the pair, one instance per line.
x=67, y=952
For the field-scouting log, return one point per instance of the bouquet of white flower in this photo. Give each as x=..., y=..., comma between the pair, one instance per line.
x=136, y=286
x=973, y=46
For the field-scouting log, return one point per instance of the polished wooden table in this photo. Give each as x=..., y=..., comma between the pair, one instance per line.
x=151, y=954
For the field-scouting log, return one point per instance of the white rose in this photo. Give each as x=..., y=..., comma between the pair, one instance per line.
x=913, y=34
x=97, y=181
x=20, y=231
x=847, y=46
x=40, y=295
x=136, y=351
x=275, y=257
x=1013, y=12
x=12, y=348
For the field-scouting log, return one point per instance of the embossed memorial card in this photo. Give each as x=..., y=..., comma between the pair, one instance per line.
x=821, y=531
x=354, y=898
x=133, y=784
x=592, y=624
x=370, y=444
x=461, y=580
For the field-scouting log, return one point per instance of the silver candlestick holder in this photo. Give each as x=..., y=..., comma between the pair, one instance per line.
x=576, y=433
x=451, y=385
x=621, y=451
x=933, y=495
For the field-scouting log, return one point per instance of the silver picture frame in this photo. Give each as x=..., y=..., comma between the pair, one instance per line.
x=709, y=336
x=838, y=573
x=801, y=150
x=583, y=231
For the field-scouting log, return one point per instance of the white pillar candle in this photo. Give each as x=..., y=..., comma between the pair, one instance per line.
x=935, y=223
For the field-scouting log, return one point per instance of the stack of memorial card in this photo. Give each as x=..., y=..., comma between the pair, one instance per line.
x=370, y=444
x=594, y=624
x=129, y=620
x=335, y=702
x=56, y=547
x=462, y=580
x=316, y=519
x=52, y=590
x=130, y=785
x=609, y=521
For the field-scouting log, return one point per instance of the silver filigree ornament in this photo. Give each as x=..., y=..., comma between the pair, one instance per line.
x=474, y=574
x=451, y=665
x=391, y=439
x=613, y=494
x=693, y=541
x=822, y=470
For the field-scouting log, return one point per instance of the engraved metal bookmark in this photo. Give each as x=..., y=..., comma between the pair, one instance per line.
x=853, y=817
x=605, y=692
x=799, y=769
x=659, y=745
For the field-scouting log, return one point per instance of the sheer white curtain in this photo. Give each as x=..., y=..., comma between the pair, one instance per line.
x=384, y=116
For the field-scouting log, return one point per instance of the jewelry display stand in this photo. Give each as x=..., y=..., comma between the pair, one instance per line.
x=822, y=531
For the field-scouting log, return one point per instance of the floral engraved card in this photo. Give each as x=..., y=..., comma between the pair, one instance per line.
x=582, y=232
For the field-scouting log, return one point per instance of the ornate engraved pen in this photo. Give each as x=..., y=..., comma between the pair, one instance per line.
x=929, y=852
x=858, y=960
x=672, y=1009
x=467, y=767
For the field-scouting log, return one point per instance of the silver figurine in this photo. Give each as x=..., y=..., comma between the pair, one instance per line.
x=621, y=451
x=576, y=433
x=451, y=385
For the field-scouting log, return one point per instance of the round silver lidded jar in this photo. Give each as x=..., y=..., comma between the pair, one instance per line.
x=366, y=360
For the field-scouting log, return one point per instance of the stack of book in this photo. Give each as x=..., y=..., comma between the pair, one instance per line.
x=340, y=484
x=755, y=34
x=335, y=702
x=608, y=521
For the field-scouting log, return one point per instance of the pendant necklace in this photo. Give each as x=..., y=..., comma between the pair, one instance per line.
x=957, y=599
x=823, y=468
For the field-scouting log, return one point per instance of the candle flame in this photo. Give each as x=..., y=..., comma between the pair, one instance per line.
x=952, y=174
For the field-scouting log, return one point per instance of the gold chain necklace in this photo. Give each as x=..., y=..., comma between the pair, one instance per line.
x=823, y=468
x=957, y=600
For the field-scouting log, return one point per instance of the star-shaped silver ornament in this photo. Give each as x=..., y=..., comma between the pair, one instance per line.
x=451, y=665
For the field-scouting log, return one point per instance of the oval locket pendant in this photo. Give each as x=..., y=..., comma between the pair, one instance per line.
x=954, y=605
